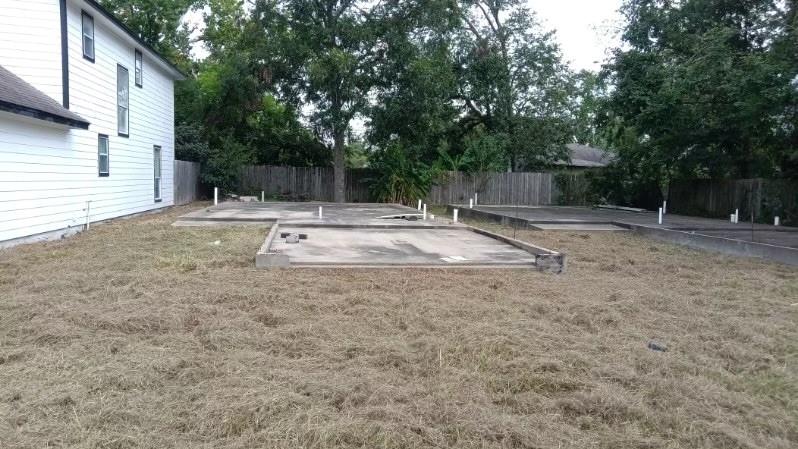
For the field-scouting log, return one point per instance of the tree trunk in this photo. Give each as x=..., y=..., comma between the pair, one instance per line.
x=339, y=166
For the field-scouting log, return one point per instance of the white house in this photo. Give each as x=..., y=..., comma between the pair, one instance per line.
x=86, y=119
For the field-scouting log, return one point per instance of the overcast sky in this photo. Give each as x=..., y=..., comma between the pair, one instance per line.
x=585, y=28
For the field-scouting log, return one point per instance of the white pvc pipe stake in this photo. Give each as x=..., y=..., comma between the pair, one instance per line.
x=731, y=218
x=215, y=196
x=476, y=199
x=664, y=208
x=88, y=214
x=419, y=204
x=776, y=221
x=471, y=203
x=659, y=220
x=456, y=212
x=425, y=212
x=320, y=212
x=262, y=196
x=736, y=215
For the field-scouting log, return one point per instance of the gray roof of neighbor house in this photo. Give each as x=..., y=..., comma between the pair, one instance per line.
x=19, y=97
x=584, y=156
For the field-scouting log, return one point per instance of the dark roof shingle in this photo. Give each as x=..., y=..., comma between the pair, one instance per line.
x=585, y=156
x=19, y=97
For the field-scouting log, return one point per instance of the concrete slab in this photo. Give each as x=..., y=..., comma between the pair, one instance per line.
x=307, y=214
x=360, y=247
x=760, y=240
x=566, y=214
x=587, y=227
x=360, y=235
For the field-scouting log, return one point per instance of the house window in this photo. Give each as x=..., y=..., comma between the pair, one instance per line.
x=156, y=163
x=122, y=101
x=88, y=36
x=139, y=69
x=102, y=155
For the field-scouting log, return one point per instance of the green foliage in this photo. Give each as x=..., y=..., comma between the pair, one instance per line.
x=224, y=162
x=513, y=81
x=703, y=90
x=278, y=138
x=158, y=23
x=398, y=178
x=578, y=188
x=323, y=55
x=190, y=144
x=483, y=152
x=357, y=155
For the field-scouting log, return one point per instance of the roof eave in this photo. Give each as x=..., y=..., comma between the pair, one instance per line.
x=42, y=115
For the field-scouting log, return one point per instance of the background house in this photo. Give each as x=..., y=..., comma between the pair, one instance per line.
x=86, y=119
x=585, y=157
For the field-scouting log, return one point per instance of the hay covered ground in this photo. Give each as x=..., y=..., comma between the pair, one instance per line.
x=141, y=335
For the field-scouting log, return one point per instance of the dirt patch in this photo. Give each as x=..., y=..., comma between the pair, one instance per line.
x=142, y=335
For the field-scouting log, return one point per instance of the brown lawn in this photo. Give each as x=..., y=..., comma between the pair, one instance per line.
x=141, y=335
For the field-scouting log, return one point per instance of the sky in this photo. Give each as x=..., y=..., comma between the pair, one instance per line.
x=585, y=29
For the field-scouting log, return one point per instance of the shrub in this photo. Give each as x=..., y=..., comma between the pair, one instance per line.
x=398, y=178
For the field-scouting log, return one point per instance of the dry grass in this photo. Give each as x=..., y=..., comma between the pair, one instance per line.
x=140, y=335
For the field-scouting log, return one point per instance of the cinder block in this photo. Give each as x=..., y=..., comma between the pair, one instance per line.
x=271, y=260
x=551, y=263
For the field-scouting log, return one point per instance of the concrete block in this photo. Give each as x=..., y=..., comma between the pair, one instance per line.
x=551, y=263
x=271, y=260
x=266, y=257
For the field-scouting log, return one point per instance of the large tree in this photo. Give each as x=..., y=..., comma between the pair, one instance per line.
x=158, y=23
x=513, y=81
x=320, y=56
x=699, y=90
x=416, y=82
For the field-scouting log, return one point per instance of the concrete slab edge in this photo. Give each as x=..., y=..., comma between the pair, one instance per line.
x=411, y=266
x=497, y=218
x=236, y=204
x=690, y=239
x=266, y=258
x=229, y=219
x=546, y=260
x=322, y=225
x=716, y=244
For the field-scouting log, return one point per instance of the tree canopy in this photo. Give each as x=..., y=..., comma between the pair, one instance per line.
x=698, y=88
x=704, y=88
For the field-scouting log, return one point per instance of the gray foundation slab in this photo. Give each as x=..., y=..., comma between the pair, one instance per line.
x=307, y=214
x=358, y=235
x=742, y=239
x=360, y=247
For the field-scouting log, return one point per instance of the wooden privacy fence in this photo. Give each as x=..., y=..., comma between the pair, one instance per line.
x=317, y=184
x=186, y=182
x=719, y=198
x=529, y=189
x=304, y=183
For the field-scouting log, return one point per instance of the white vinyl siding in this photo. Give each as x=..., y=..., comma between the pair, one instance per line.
x=30, y=43
x=87, y=27
x=48, y=172
x=122, y=101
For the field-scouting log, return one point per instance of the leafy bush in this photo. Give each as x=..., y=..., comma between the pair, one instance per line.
x=223, y=167
x=398, y=178
x=578, y=188
x=190, y=145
